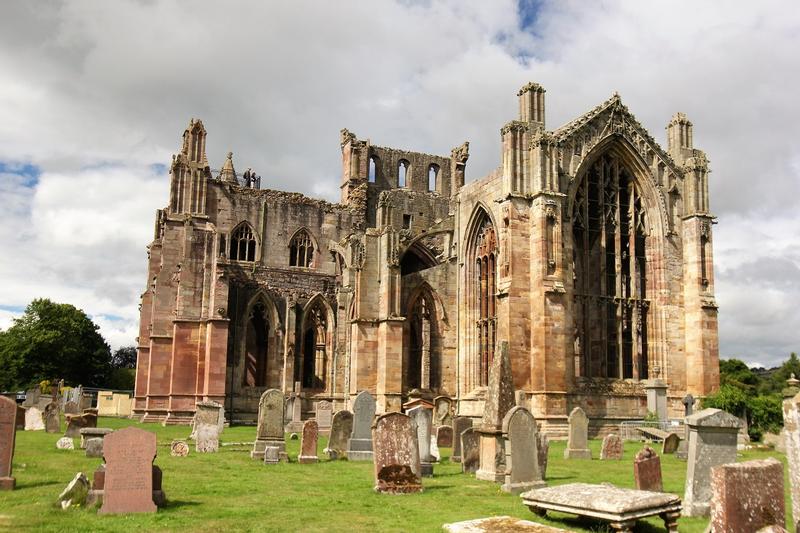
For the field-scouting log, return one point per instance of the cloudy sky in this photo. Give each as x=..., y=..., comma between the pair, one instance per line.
x=94, y=97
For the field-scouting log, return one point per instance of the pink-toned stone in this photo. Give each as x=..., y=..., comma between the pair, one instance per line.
x=8, y=418
x=747, y=496
x=647, y=470
x=308, y=442
x=129, y=455
x=444, y=437
x=396, y=454
x=612, y=448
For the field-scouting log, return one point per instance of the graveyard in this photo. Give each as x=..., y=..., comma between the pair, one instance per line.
x=229, y=490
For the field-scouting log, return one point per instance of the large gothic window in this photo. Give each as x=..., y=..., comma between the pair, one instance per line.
x=423, y=361
x=243, y=244
x=255, y=368
x=609, y=231
x=481, y=295
x=314, y=361
x=301, y=250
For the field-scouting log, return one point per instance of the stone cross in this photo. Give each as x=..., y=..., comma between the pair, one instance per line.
x=397, y=465
x=688, y=405
x=522, y=458
x=422, y=418
x=611, y=448
x=470, y=450
x=460, y=423
x=499, y=400
x=324, y=415
x=647, y=470
x=128, y=485
x=341, y=429
x=308, y=442
x=33, y=419
x=791, y=430
x=359, y=447
x=712, y=442
x=577, y=441
x=8, y=435
x=747, y=496
x=269, y=430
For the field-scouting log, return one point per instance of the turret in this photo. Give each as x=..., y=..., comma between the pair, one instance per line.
x=190, y=172
x=531, y=104
x=679, y=137
x=227, y=172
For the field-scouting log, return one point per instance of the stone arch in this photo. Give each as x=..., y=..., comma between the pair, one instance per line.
x=314, y=360
x=304, y=250
x=259, y=363
x=423, y=341
x=244, y=243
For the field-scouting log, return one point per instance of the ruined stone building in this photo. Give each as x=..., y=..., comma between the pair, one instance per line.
x=589, y=249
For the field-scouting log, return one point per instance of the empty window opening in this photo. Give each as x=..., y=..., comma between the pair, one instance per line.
x=402, y=173
x=243, y=244
x=301, y=250
x=406, y=221
x=373, y=169
x=433, y=178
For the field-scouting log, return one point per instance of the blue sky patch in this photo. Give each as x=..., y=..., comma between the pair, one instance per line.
x=27, y=170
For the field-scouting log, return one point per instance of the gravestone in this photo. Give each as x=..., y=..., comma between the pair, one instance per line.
x=611, y=448
x=269, y=430
x=324, y=416
x=747, y=496
x=294, y=405
x=32, y=397
x=688, y=405
x=72, y=408
x=682, y=451
x=94, y=447
x=577, y=441
x=422, y=417
x=470, y=450
x=52, y=418
x=8, y=435
x=396, y=454
x=791, y=432
x=522, y=458
x=460, y=423
x=543, y=449
x=444, y=437
x=76, y=422
x=341, y=428
x=179, y=448
x=128, y=485
x=65, y=443
x=75, y=493
x=93, y=433
x=656, y=390
x=436, y=455
x=33, y=419
x=359, y=447
x=272, y=455
x=712, y=442
x=647, y=470
x=98, y=486
x=442, y=411
x=207, y=427
x=499, y=400
x=20, y=422
x=308, y=442
x=670, y=444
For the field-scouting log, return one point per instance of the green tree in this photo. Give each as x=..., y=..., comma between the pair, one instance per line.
x=53, y=341
x=124, y=357
x=734, y=372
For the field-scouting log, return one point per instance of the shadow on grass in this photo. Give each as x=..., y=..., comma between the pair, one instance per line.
x=23, y=486
x=592, y=524
x=177, y=504
x=436, y=487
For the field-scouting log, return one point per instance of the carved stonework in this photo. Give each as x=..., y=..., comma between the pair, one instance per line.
x=607, y=386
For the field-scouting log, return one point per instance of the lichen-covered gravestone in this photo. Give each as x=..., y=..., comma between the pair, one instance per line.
x=543, y=449
x=75, y=492
x=747, y=496
x=65, y=443
x=128, y=485
x=33, y=419
x=647, y=470
x=460, y=423
x=443, y=408
x=341, y=428
x=52, y=417
x=72, y=408
x=712, y=442
x=308, y=442
x=76, y=422
x=522, y=458
x=671, y=443
x=359, y=447
x=396, y=455
x=179, y=448
x=8, y=435
x=470, y=451
x=207, y=427
x=94, y=447
x=324, y=416
x=611, y=448
x=499, y=400
x=577, y=441
x=269, y=431
x=422, y=417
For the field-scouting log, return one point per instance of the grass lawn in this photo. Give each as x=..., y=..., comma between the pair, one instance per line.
x=228, y=491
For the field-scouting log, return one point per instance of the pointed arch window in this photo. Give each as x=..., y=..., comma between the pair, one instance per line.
x=313, y=365
x=243, y=244
x=433, y=177
x=373, y=169
x=301, y=250
x=423, y=370
x=402, y=173
x=257, y=334
x=482, y=298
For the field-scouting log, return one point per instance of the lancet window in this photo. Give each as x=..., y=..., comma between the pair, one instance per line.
x=482, y=291
x=301, y=250
x=243, y=244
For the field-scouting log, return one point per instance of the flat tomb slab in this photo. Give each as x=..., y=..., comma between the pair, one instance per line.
x=500, y=524
x=621, y=507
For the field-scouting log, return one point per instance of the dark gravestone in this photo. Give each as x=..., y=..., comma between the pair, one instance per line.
x=129, y=455
x=269, y=431
x=470, y=450
x=8, y=422
x=52, y=417
x=671, y=443
x=20, y=417
x=444, y=437
x=396, y=455
x=460, y=423
x=341, y=428
x=308, y=442
x=359, y=448
x=543, y=449
x=647, y=470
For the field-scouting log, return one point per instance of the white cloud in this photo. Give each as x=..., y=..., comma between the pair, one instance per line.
x=96, y=92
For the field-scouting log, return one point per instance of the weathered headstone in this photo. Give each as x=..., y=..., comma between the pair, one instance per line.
x=308, y=442
x=72, y=408
x=611, y=448
x=20, y=423
x=179, y=448
x=577, y=441
x=791, y=431
x=324, y=416
x=33, y=419
x=52, y=417
x=442, y=411
x=647, y=470
x=76, y=422
x=747, y=496
x=294, y=406
x=8, y=435
x=207, y=426
x=94, y=447
x=470, y=450
x=32, y=397
x=670, y=444
x=272, y=455
x=93, y=433
x=436, y=455
x=269, y=431
x=359, y=447
x=444, y=437
x=499, y=400
x=65, y=443
x=396, y=454
x=423, y=417
x=522, y=458
x=460, y=423
x=543, y=449
x=128, y=487
x=75, y=493
x=656, y=390
x=341, y=428
x=712, y=442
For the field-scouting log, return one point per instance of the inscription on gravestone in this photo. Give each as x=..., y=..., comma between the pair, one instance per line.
x=324, y=415
x=396, y=454
x=269, y=431
x=129, y=455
